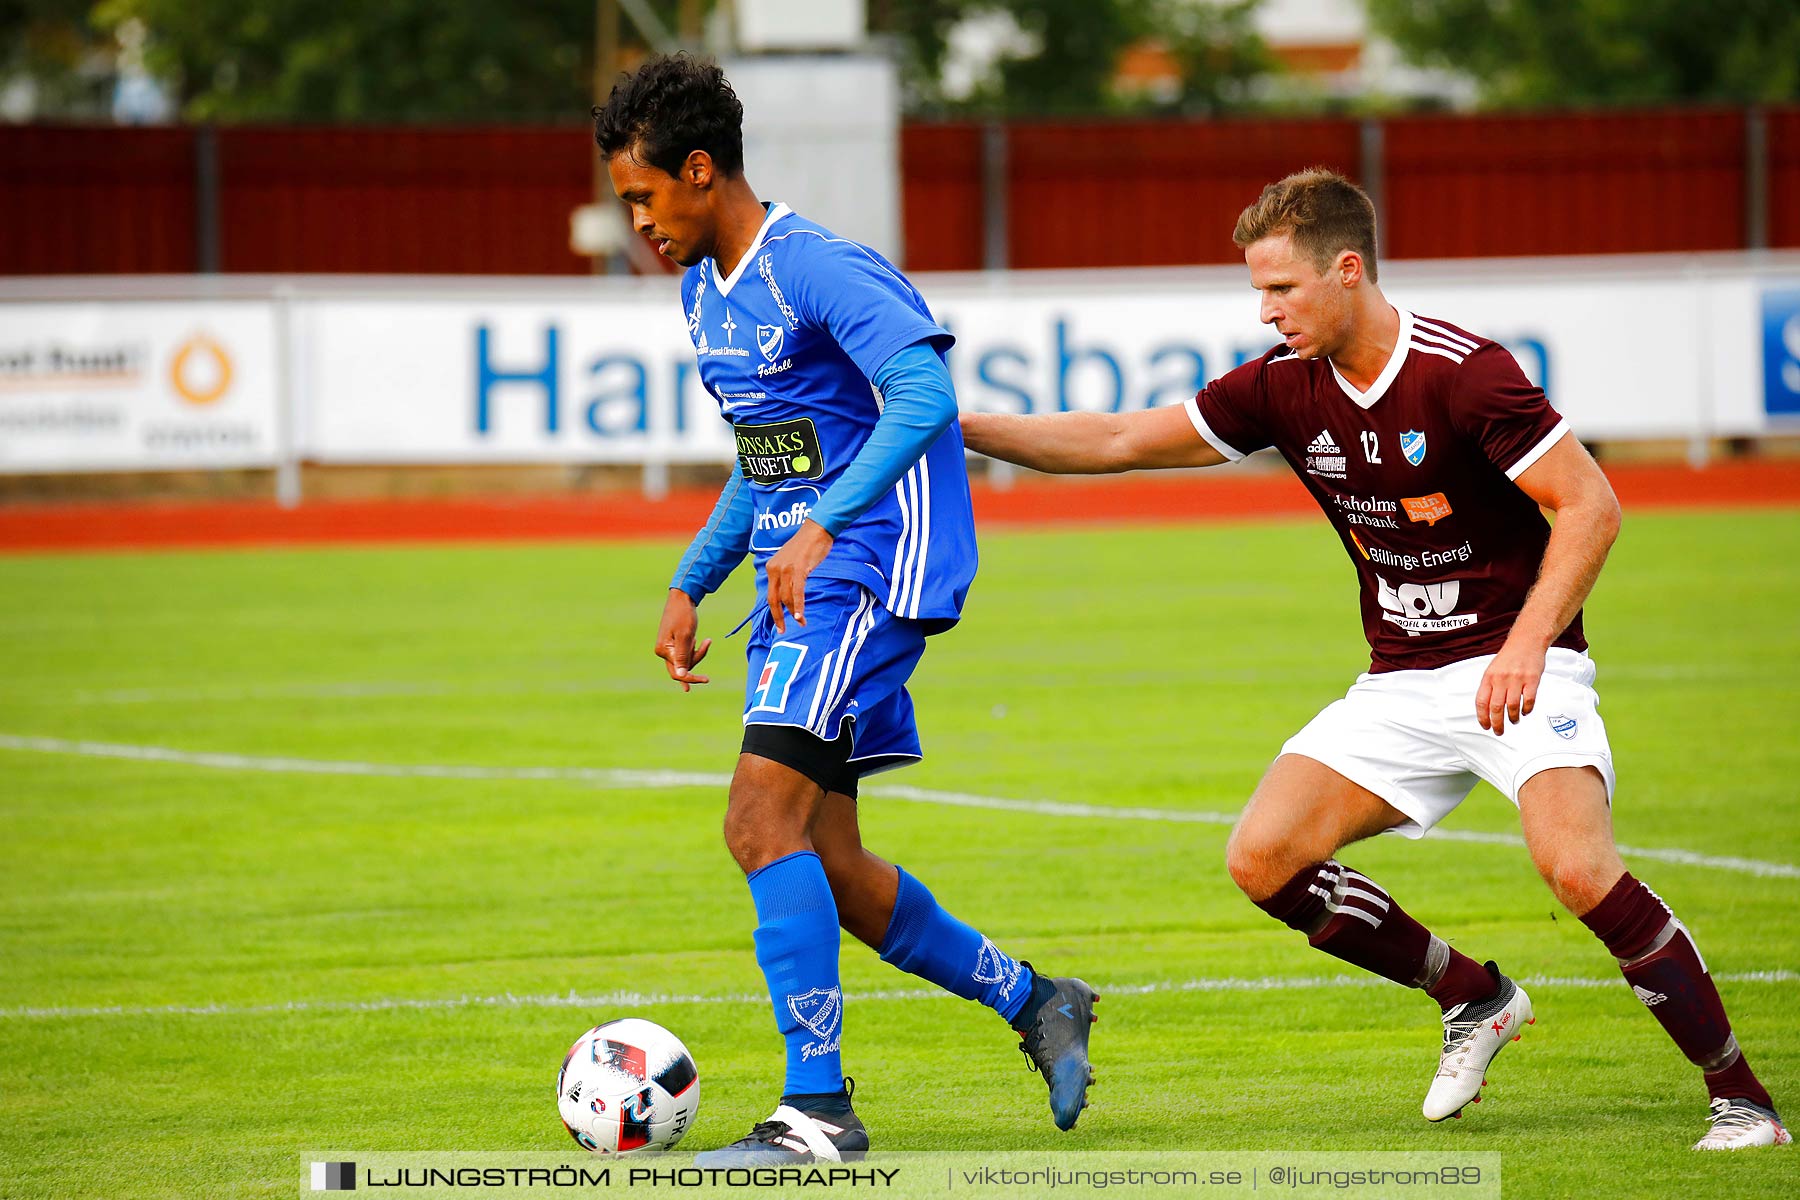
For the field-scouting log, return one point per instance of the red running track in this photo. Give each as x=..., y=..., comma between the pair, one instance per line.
x=1128, y=500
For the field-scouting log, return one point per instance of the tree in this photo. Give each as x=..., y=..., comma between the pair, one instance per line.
x=1074, y=51
x=1079, y=47
x=396, y=60
x=1530, y=53
x=52, y=45
x=1061, y=62
x=515, y=60
x=1219, y=52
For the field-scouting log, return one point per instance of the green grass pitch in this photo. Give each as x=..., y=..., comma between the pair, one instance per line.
x=302, y=913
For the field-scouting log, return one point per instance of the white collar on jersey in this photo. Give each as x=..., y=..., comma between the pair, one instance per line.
x=1395, y=361
x=776, y=212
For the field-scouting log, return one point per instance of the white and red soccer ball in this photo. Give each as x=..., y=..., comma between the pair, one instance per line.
x=628, y=1086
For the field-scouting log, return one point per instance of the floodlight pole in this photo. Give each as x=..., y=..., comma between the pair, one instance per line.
x=692, y=22
x=606, y=70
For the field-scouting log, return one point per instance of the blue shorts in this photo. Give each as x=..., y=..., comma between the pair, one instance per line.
x=847, y=665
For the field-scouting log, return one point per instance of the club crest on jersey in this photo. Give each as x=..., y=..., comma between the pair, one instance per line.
x=769, y=339
x=1412, y=444
x=1564, y=727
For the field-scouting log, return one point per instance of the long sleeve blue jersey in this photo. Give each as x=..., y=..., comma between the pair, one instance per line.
x=842, y=411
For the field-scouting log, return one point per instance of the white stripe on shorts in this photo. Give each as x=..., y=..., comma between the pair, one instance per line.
x=849, y=677
x=812, y=714
x=838, y=682
x=828, y=678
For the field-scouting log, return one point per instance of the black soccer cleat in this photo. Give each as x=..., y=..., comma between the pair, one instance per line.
x=825, y=1129
x=1055, y=1043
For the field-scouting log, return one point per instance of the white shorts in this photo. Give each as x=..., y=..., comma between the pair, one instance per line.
x=1411, y=736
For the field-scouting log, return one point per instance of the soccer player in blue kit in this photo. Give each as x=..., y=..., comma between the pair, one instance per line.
x=850, y=492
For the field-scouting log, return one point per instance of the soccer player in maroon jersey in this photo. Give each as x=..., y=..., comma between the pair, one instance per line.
x=1431, y=455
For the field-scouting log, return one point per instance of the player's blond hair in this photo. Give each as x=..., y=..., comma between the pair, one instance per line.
x=1322, y=211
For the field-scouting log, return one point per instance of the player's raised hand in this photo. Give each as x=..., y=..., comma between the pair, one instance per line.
x=675, y=640
x=1509, y=686
x=788, y=569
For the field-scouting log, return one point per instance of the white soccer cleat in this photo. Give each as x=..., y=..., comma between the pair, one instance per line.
x=1473, y=1034
x=1739, y=1125
x=827, y=1131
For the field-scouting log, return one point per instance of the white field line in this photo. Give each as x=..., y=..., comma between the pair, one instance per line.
x=370, y=690
x=237, y=694
x=607, y=1001
x=394, y=689
x=597, y=776
x=613, y=777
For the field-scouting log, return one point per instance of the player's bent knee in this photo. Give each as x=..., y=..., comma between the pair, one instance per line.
x=1239, y=865
x=1578, y=881
x=744, y=835
x=755, y=842
x=767, y=815
x=1259, y=867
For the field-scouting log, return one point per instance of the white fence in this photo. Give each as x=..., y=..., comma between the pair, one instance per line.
x=219, y=371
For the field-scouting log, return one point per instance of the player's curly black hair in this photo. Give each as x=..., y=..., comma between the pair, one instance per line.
x=669, y=107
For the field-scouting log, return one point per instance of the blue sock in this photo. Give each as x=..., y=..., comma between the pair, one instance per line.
x=924, y=940
x=797, y=948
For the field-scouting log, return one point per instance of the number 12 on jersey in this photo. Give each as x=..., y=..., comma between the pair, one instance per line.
x=1371, y=442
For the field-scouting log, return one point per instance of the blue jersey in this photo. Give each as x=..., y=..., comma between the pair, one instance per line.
x=788, y=344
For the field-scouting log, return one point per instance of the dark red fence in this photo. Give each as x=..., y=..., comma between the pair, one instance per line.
x=88, y=201
x=942, y=203
x=1028, y=194
x=1591, y=184
x=1151, y=193
x=344, y=199
x=462, y=201
x=1783, y=192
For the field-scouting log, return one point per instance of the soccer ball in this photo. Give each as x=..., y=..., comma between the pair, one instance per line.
x=626, y=1086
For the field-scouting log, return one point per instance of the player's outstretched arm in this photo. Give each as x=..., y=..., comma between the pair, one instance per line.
x=1568, y=482
x=715, y=551
x=1091, y=443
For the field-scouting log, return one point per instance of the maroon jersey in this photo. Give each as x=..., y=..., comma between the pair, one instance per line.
x=1416, y=474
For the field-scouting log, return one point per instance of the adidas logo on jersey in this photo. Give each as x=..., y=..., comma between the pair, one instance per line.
x=1324, y=458
x=1651, y=999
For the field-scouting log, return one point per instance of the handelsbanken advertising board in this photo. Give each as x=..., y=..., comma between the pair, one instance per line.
x=459, y=381
x=1644, y=352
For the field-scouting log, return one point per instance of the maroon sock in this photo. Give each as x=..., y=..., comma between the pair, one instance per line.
x=1350, y=917
x=1662, y=965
